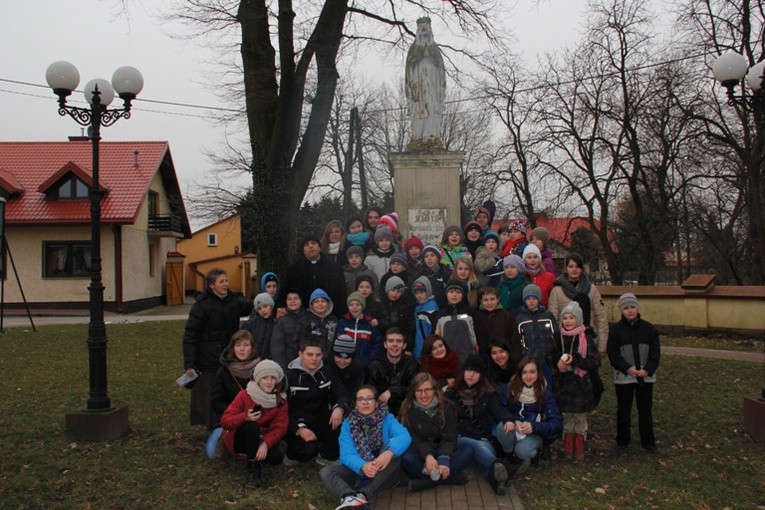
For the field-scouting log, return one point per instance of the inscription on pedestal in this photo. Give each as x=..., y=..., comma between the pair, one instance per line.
x=427, y=224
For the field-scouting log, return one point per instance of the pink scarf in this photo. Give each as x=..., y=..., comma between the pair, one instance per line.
x=582, y=350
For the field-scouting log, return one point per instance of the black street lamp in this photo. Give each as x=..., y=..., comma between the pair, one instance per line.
x=100, y=420
x=729, y=69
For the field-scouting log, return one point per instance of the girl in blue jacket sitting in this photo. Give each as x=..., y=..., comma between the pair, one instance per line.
x=371, y=445
x=535, y=413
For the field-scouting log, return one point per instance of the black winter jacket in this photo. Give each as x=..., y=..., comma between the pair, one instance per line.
x=225, y=389
x=478, y=421
x=575, y=394
x=429, y=437
x=261, y=330
x=286, y=337
x=538, y=331
x=311, y=397
x=386, y=376
x=212, y=320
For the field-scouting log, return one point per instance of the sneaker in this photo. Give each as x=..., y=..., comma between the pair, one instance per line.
x=498, y=477
x=351, y=501
x=289, y=462
x=516, y=470
x=324, y=462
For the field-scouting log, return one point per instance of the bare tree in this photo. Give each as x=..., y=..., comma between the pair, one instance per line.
x=731, y=133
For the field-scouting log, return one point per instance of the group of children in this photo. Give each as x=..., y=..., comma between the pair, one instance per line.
x=446, y=355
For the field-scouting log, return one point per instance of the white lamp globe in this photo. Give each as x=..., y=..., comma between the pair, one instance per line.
x=754, y=76
x=62, y=75
x=127, y=82
x=104, y=87
x=729, y=67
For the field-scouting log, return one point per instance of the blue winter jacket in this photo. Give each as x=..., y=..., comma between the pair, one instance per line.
x=546, y=424
x=424, y=323
x=396, y=438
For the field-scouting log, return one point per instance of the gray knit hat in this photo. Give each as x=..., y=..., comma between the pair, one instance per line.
x=574, y=309
x=454, y=283
x=355, y=250
x=400, y=259
x=263, y=299
x=435, y=250
x=394, y=282
x=532, y=290
x=514, y=260
x=265, y=368
x=628, y=299
x=383, y=232
x=344, y=346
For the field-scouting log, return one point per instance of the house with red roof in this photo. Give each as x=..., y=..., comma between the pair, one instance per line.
x=47, y=222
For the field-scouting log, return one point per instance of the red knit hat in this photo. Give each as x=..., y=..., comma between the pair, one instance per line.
x=413, y=241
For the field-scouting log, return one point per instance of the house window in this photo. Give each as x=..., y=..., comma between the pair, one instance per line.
x=66, y=259
x=212, y=239
x=151, y=261
x=70, y=187
x=153, y=204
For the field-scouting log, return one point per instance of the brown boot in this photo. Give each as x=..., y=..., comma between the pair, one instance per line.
x=568, y=450
x=578, y=447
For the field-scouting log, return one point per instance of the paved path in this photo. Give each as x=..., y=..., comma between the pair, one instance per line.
x=475, y=494
x=758, y=357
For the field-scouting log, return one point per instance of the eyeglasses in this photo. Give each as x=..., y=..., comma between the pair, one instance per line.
x=365, y=400
x=424, y=391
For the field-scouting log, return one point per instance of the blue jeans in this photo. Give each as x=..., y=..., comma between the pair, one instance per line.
x=483, y=452
x=526, y=448
x=412, y=462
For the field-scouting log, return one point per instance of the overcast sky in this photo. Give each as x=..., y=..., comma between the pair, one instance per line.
x=97, y=39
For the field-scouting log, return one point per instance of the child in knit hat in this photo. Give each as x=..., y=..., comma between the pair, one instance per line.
x=396, y=311
x=358, y=327
x=634, y=351
x=573, y=381
x=356, y=268
x=437, y=273
x=536, y=272
x=512, y=283
x=413, y=249
x=378, y=258
x=261, y=323
x=425, y=310
x=453, y=246
x=399, y=266
x=538, y=329
x=259, y=411
x=342, y=362
x=540, y=237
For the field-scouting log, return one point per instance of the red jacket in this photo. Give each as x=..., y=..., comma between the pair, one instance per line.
x=545, y=281
x=273, y=422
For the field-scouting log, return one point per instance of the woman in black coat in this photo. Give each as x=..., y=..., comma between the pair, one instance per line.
x=433, y=456
x=213, y=319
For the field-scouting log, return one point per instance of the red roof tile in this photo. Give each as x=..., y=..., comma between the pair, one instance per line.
x=31, y=164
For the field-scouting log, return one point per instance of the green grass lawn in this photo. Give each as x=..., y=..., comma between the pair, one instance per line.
x=716, y=342
x=706, y=460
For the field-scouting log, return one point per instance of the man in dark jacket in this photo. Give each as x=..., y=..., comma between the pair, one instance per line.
x=393, y=370
x=317, y=403
x=312, y=271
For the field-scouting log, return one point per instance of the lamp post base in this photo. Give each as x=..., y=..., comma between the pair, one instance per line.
x=98, y=425
x=754, y=418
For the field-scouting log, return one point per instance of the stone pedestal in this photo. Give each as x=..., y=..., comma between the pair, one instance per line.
x=754, y=418
x=98, y=425
x=426, y=192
